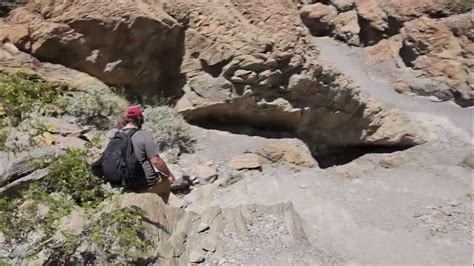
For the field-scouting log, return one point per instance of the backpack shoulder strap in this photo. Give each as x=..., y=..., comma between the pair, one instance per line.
x=129, y=136
x=132, y=131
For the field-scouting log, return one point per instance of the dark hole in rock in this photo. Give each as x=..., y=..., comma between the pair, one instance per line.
x=438, y=14
x=408, y=54
x=7, y=5
x=242, y=128
x=462, y=101
x=214, y=70
x=335, y=156
x=369, y=35
x=394, y=26
x=327, y=157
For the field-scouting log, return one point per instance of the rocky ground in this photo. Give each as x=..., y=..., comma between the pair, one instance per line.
x=427, y=45
x=415, y=202
x=289, y=149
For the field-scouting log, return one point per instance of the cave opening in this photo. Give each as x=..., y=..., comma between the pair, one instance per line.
x=408, y=54
x=326, y=155
x=335, y=156
x=369, y=35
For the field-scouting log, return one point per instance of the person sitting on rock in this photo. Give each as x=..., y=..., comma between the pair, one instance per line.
x=132, y=159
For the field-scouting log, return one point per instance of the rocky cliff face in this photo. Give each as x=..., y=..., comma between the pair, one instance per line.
x=7, y=5
x=244, y=63
x=430, y=41
x=124, y=44
x=248, y=65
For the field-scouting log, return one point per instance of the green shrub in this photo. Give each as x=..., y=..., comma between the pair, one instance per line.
x=71, y=176
x=233, y=178
x=120, y=234
x=169, y=128
x=4, y=132
x=68, y=184
x=93, y=104
x=19, y=216
x=7, y=209
x=22, y=93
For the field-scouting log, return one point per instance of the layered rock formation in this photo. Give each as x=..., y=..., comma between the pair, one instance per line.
x=430, y=41
x=244, y=63
x=241, y=62
x=124, y=44
x=260, y=69
x=171, y=235
x=7, y=5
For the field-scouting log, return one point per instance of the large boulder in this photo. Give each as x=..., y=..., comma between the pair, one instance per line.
x=433, y=58
x=13, y=60
x=380, y=19
x=431, y=46
x=346, y=27
x=317, y=17
x=290, y=153
x=15, y=166
x=123, y=43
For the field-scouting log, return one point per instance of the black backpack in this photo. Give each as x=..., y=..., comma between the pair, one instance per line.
x=120, y=165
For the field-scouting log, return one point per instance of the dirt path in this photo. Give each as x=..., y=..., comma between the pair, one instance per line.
x=347, y=59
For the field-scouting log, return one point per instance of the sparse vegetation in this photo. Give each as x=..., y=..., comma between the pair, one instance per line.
x=169, y=128
x=172, y=158
x=38, y=208
x=70, y=175
x=460, y=6
x=98, y=140
x=233, y=178
x=35, y=211
x=4, y=132
x=94, y=106
x=17, y=141
x=68, y=183
x=22, y=93
x=7, y=208
x=120, y=233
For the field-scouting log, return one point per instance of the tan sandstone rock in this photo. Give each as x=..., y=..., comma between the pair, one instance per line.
x=409, y=35
x=429, y=45
x=174, y=232
x=271, y=79
x=123, y=43
x=13, y=60
x=287, y=153
x=206, y=173
x=317, y=17
x=243, y=63
x=245, y=161
x=401, y=87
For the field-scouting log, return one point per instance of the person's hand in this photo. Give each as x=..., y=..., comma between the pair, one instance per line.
x=171, y=178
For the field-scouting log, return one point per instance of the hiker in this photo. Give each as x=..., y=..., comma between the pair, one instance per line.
x=132, y=159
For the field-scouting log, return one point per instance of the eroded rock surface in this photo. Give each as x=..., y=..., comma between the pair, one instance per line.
x=430, y=41
x=174, y=236
x=250, y=72
x=243, y=62
x=123, y=43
